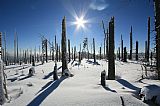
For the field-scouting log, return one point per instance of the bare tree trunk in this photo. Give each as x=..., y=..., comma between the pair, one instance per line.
x=94, y=55
x=100, y=53
x=74, y=53
x=136, y=50
x=121, y=48
x=148, y=45
x=104, y=47
x=119, y=53
x=125, y=55
x=130, y=56
x=64, y=54
x=46, y=50
x=69, y=54
x=111, y=58
x=146, y=48
x=107, y=44
x=2, y=94
x=157, y=27
x=57, y=52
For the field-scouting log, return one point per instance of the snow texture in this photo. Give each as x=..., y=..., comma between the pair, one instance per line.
x=83, y=88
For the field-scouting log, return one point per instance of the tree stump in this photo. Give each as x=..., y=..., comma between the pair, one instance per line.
x=55, y=76
x=103, y=78
x=31, y=71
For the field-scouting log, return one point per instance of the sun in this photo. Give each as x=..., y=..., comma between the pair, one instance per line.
x=80, y=22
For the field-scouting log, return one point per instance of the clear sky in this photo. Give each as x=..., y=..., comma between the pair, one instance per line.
x=31, y=17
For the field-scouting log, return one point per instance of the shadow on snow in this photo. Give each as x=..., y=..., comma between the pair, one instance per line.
x=92, y=62
x=41, y=97
x=128, y=85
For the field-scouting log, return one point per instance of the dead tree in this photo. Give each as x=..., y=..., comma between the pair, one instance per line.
x=94, y=55
x=72, y=53
x=46, y=50
x=146, y=50
x=104, y=37
x=17, y=51
x=5, y=49
x=30, y=59
x=148, y=45
x=111, y=61
x=55, y=45
x=57, y=52
x=157, y=28
x=119, y=57
x=64, y=54
x=80, y=54
x=121, y=48
x=52, y=52
x=15, y=34
x=107, y=44
x=75, y=53
x=151, y=58
x=104, y=47
x=100, y=53
x=125, y=55
x=2, y=93
x=55, y=76
x=130, y=56
x=136, y=50
x=33, y=61
x=69, y=53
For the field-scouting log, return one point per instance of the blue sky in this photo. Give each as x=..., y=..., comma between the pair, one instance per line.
x=31, y=17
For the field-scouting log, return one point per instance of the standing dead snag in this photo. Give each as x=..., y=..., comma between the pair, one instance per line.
x=119, y=53
x=107, y=45
x=146, y=50
x=125, y=55
x=130, y=56
x=111, y=61
x=69, y=53
x=136, y=50
x=64, y=54
x=55, y=76
x=56, y=52
x=59, y=54
x=121, y=48
x=103, y=78
x=94, y=55
x=2, y=93
x=157, y=28
x=74, y=53
x=148, y=45
x=100, y=53
x=33, y=61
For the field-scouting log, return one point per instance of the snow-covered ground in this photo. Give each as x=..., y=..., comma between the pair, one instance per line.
x=83, y=88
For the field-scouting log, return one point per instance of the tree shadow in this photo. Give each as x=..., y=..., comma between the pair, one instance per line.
x=28, y=76
x=12, y=79
x=45, y=86
x=108, y=89
x=128, y=85
x=41, y=97
x=72, y=62
x=92, y=62
x=47, y=76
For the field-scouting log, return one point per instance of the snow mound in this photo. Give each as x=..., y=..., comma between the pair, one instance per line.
x=150, y=92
